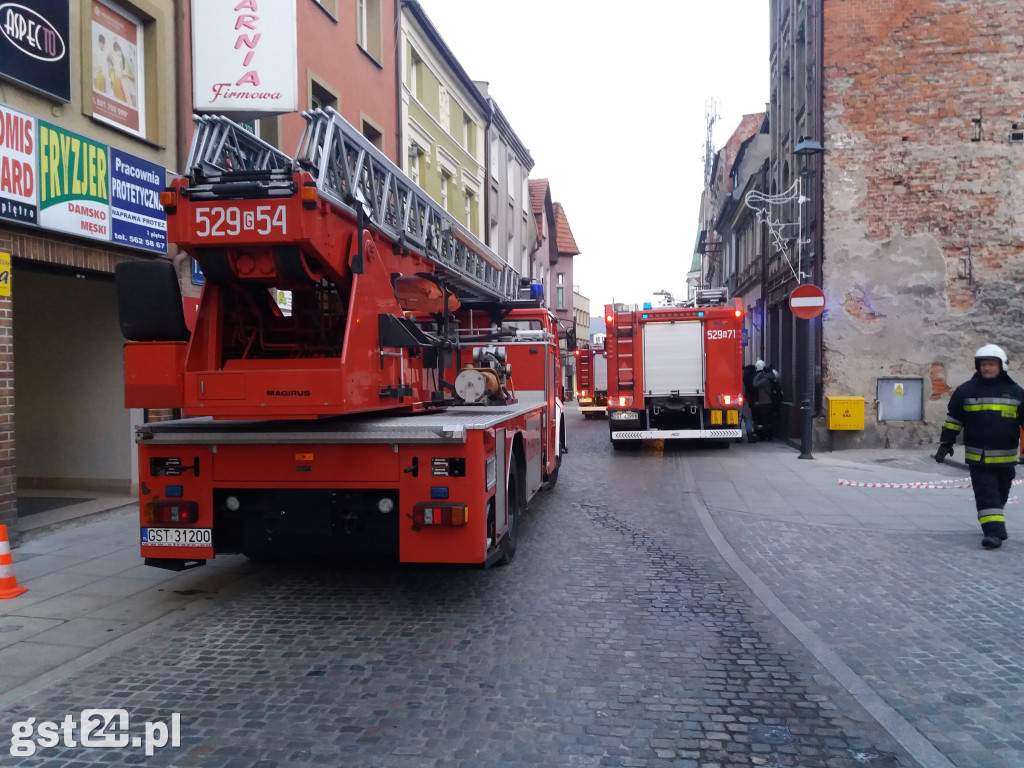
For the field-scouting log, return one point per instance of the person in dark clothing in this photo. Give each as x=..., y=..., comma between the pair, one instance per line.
x=989, y=410
x=766, y=395
x=749, y=372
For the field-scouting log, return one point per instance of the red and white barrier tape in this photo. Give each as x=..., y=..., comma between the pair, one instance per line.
x=940, y=485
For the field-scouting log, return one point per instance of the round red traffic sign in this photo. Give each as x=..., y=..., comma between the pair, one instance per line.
x=806, y=301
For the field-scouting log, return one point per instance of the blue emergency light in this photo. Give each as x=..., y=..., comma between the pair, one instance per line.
x=537, y=291
x=647, y=305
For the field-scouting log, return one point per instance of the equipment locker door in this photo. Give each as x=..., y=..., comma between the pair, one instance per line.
x=600, y=372
x=673, y=358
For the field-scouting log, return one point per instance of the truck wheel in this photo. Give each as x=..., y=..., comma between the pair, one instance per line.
x=553, y=475
x=511, y=540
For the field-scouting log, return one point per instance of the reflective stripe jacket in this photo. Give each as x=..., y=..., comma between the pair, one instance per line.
x=989, y=413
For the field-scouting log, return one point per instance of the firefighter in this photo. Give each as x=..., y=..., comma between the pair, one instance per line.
x=989, y=410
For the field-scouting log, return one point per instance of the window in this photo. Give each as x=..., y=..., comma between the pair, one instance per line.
x=374, y=134
x=560, y=291
x=444, y=108
x=495, y=158
x=414, y=163
x=414, y=75
x=320, y=97
x=118, y=79
x=511, y=184
x=466, y=123
x=444, y=190
x=469, y=210
x=368, y=27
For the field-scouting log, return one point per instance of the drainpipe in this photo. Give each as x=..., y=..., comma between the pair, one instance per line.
x=182, y=77
x=183, y=105
x=487, y=173
x=399, y=68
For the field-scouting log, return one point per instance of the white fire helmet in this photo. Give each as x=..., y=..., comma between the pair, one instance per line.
x=759, y=365
x=991, y=352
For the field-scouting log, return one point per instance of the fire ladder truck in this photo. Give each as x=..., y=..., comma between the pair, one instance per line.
x=403, y=401
x=592, y=391
x=675, y=372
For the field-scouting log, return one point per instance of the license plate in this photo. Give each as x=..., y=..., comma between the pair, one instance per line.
x=178, y=537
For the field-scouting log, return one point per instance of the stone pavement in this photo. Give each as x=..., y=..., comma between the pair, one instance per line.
x=887, y=587
x=90, y=595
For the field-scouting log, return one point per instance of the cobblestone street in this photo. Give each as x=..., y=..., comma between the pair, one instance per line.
x=618, y=637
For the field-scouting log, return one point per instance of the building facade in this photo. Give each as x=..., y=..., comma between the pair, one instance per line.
x=510, y=228
x=87, y=117
x=909, y=222
x=443, y=117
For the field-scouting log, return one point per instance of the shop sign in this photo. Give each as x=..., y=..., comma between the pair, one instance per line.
x=136, y=217
x=17, y=166
x=5, y=273
x=34, y=50
x=73, y=190
x=244, y=57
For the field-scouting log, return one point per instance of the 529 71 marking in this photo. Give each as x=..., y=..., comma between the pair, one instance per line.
x=721, y=333
x=230, y=220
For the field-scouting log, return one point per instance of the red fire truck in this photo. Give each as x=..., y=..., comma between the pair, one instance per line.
x=675, y=372
x=363, y=376
x=592, y=380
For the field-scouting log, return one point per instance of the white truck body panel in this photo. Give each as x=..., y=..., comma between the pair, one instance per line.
x=600, y=372
x=673, y=358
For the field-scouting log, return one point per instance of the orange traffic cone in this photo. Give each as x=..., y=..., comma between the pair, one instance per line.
x=8, y=584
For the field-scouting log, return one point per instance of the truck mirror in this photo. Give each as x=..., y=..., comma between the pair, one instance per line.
x=570, y=339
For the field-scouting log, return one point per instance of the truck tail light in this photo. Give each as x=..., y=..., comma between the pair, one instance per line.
x=625, y=401
x=169, y=200
x=733, y=400
x=173, y=513
x=450, y=515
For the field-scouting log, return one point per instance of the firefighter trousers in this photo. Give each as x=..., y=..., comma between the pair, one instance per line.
x=991, y=490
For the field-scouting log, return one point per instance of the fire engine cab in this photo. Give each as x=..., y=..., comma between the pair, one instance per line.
x=364, y=375
x=675, y=372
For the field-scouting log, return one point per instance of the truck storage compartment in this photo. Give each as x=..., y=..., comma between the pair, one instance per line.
x=673, y=358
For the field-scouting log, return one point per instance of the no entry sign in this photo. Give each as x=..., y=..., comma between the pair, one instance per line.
x=806, y=301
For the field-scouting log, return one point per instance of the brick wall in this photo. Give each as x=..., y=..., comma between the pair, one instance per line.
x=922, y=212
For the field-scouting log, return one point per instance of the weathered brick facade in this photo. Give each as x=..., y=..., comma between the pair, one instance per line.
x=923, y=215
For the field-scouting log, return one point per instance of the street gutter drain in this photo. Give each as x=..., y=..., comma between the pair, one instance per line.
x=775, y=735
x=963, y=699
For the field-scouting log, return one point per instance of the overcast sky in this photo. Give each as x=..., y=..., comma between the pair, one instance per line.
x=611, y=101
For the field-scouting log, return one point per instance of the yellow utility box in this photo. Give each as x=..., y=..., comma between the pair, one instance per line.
x=845, y=412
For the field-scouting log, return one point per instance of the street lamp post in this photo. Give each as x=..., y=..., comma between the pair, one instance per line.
x=805, y=148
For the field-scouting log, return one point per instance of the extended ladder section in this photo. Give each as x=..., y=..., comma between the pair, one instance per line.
x=227, y=160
